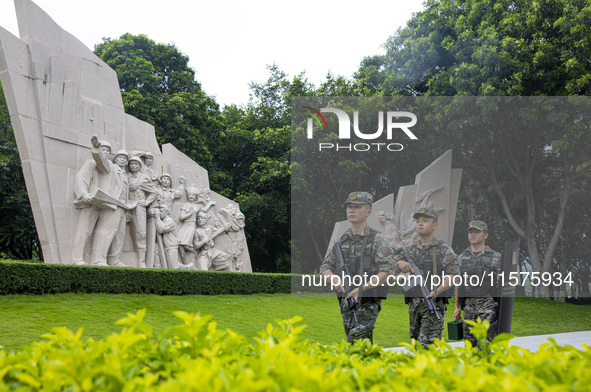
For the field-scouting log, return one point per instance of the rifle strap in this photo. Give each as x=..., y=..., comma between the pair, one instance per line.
x=435, y=267
x=365, y=240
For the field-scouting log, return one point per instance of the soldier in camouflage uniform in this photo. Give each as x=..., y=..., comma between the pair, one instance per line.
x=480, y=260
x=366, y=252
x=433, y=257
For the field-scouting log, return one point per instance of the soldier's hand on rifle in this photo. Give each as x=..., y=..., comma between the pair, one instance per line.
x=333, y=280
x=431, y=295
x=404, y=266
x=354, y=294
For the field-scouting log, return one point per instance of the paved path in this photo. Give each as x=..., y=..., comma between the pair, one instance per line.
x=532, y=343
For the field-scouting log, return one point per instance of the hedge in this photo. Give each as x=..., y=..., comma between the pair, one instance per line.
x=27, y=277
x=31, y=278
x=197, y=356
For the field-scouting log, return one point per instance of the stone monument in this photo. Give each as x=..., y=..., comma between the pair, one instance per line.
x=95, y=175
x=437, y=186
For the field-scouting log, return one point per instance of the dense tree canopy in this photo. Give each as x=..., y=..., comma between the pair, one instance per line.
x=474, y=47
x=158, y=86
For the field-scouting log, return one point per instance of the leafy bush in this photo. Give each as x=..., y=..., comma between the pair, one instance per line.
x=195, y=355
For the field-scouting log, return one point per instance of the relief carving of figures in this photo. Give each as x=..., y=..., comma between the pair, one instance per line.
x=424, y=199
x=204, y=199
x=391, y=231
x=167, y=240
x=110, y=193
x=148, y=158
x=143, y=192
x=109, y=233
x=188, y=219
x=209, y=257
x=88, y=180
x=401, y=229
x=167, y=194
x=82, y=201
x=408, y=232
x=234, y=240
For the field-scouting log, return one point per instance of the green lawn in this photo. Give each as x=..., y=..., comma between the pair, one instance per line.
x=24, y=318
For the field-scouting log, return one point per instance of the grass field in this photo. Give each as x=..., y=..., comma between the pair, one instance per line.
x=24, y=318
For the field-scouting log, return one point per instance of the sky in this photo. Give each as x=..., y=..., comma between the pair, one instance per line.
x=231, y=43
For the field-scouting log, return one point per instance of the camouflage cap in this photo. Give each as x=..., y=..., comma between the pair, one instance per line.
x=359, y=198
x=430, y=212
x=478, y=225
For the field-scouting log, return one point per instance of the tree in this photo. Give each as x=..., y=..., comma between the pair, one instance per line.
x=158, y=86
x=18, y=235
x=471, y=47
x=253, y=166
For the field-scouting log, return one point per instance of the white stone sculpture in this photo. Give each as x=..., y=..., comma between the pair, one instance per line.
x=148, y=158
x=168, y=194
x=233, y=240
x=59, y=94
x=209, y=257
x=88, y=180
x=110, y=229
x=143, y=192
x=167, y=239
x=187, y=221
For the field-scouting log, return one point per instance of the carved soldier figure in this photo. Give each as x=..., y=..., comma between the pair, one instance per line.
x=168, y=240
x=168, y=194
x=143, y=191
x=88, y=179
x=110, y=229
x=209, y=257
x=236, y=240
x=147, y=169
x=204, y=199
x=187, y=219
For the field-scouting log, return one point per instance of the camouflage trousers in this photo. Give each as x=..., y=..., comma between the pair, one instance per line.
x=424, y=326
x=486, y=309
x=367, y=314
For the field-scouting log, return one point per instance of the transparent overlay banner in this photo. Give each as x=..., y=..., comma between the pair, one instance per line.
x=524, y=164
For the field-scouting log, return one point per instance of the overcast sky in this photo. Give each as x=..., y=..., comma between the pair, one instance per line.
x=230, y=43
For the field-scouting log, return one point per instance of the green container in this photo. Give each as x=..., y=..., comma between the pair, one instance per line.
x=454, y=330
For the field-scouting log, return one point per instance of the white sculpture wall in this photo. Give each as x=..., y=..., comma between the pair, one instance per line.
x=59, y=94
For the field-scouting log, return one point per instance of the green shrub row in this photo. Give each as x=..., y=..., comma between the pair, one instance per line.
x=196, y=356
x=25, y=277
x=28, y=278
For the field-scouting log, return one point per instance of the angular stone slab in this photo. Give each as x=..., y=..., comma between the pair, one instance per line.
x=59, y=94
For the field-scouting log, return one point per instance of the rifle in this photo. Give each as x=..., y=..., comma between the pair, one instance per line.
x=342, y=267
x=418, y=275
